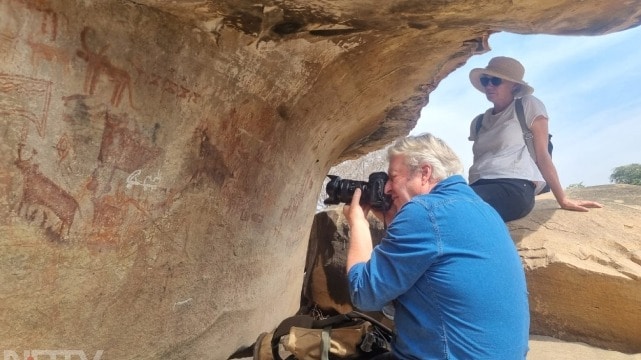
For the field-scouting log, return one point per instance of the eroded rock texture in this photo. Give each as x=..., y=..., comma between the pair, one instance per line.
x=584, y=269
x=160, y=160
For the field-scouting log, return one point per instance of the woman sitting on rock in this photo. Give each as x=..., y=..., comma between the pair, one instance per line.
x=503, y=173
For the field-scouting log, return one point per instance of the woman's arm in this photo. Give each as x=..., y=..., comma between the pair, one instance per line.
x=548, y=170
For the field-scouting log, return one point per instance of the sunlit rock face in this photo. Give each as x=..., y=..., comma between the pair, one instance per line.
x=160, y=160
x=584, y=269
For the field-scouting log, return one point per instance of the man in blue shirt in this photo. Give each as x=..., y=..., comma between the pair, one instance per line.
x=447, y=263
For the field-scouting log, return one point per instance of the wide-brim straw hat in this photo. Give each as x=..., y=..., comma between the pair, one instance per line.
x=505, y=68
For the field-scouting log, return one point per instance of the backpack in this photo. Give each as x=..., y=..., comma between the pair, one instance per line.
x=346, y=336
x=527, y=134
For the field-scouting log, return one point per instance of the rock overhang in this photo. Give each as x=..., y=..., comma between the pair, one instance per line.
x=161, y=159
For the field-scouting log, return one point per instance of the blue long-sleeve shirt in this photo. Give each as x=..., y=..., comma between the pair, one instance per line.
x=450, y=266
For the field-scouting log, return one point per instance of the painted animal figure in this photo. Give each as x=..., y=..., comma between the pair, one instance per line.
x=37, y=189
x=98, y=64
x=50, y=17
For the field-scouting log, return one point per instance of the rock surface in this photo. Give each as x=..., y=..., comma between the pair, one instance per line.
x=160, y=160
x=583, y=269
x=547, y=348
x=325, y=282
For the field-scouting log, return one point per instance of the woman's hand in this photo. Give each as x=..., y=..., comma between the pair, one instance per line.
x=578, y=205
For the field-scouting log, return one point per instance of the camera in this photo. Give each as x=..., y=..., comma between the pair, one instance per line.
x=373, y=191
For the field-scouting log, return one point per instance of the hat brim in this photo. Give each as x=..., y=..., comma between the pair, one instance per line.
x=475, y=78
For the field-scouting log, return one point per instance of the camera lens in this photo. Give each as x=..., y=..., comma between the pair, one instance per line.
x=342, y=190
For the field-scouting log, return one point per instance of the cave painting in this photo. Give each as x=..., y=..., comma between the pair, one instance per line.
x=49, y=24
x=46, y=195
x=111, y=213
x=98, y=64
x=165, y=84
x=25, y=98
x=122, y=147
x=209, y=163
x=41, y=51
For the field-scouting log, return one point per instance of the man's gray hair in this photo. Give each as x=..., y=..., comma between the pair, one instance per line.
x=427, y=149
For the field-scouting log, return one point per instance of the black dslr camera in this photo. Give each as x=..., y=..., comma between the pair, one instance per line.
x=373, y=192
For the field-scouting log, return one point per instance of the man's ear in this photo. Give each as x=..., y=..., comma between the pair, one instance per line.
x=426, y=173
x=516, y=88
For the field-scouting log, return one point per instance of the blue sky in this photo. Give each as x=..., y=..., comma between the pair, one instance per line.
x=590, y=85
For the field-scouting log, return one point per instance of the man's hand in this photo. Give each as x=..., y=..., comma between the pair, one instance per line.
x=360, y=239
x=354, y=212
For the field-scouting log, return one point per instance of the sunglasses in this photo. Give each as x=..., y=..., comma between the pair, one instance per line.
x=486, y=80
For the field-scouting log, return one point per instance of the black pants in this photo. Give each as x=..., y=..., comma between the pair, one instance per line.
x=511, y=198
x=385, y=356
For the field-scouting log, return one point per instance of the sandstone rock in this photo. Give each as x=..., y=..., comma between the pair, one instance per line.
x=160, y=160
x=546, y=348
x=584, y=269
x=325, y=282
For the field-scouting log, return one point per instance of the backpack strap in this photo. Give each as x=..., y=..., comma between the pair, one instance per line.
x=340, y=320
x=331, y=321
x=527, y=133
x=359, y=315
x=478, y=123
x=520, y=115
x=304, y=321
x=325, y=343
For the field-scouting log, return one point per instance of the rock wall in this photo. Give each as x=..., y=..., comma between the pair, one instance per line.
x=584, y=269
x=160, y=160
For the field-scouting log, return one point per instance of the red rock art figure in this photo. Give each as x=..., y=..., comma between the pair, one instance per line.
x=207, y=165
x=37, y=189
x=111, y=212
x=41, y=51
x=123, y=147
x=209, y=162
x=97, y=65
x=9, y=29
x=164, y=84
x=25, y=98
x=49, y=17
x=63, y=147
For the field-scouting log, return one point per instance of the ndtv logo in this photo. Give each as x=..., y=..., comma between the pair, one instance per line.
x=50, y=355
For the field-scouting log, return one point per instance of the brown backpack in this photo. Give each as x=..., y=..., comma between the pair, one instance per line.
x=347, y=336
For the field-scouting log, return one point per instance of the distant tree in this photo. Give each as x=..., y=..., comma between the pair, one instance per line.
x=576, y=186
x=627, y=174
